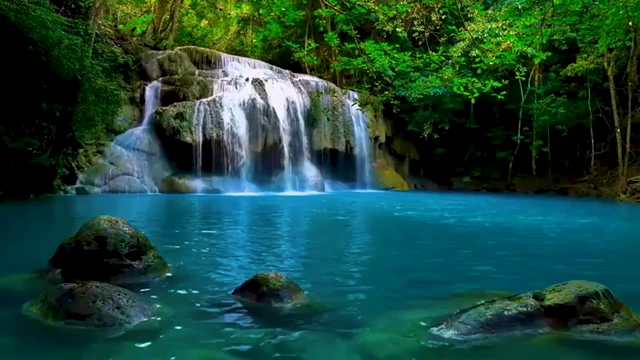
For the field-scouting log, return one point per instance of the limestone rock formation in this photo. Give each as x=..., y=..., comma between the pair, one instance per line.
x=579, y=308
x=109, y=249
x=184, y=87
x=133, y=163
x=214, y=114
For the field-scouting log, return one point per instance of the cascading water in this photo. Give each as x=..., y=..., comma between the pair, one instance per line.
x=134, y=159
x=151, y=102
x=251, y=97
x=139, y=138
x=246, y=120
x=363, y=145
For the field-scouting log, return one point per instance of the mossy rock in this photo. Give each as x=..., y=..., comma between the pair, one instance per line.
x=176, y=121
x=185, y=87
x=201, y=58
x=273, y=289
x=109, y=249
x=90, y=305
x=404, y=148
x=177, y=185
x=402, y=332
x=389, y=179
x=578, y=308
x=174, y=63
x=330, y=120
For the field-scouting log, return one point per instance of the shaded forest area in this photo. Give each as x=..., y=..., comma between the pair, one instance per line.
x=490, y=90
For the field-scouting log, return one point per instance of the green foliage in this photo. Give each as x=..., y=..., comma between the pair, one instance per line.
x=474, y=79
x=66, y=94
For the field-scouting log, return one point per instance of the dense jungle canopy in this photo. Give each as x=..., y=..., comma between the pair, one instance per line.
x=490, y=89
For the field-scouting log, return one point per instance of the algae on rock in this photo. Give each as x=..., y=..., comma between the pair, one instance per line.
x=578, y=308
x=109, y=249
x=387, y=178
x=270, y=289
x=185, y=87
x=89, y=305
x=330, y=122
x=176, y=121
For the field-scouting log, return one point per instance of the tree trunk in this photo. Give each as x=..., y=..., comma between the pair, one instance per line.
x=593, y=145
x=631, y=83
x=537, y=80
x=609, y=64
x=158, y=17
x=94, y=16
x=549, y=149
x=173, y=20
x=534, y=151
x=523, y=95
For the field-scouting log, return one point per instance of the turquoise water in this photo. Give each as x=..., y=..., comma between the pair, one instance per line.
x=383, y=264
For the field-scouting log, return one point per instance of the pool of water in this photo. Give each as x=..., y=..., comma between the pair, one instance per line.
x=382, y=263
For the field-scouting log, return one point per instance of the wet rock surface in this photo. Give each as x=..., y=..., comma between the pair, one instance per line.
x=109, y=249
x=579, y=308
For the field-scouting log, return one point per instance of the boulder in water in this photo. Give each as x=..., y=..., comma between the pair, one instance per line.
x=184, y=184
x=177, y=185
x=273, y=289
x=86, y=190
x=579, y=308
x=90, y=305
x=109, y=249
x=388, y=178
x=125, y=185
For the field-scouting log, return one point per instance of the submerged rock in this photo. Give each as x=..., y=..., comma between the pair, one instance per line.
x=579, y=308
x=272, y=289
x=403, y=332
x=89, y=305
x=179, y=184
x=86, y=190
x=109, y=249
x=28, y=284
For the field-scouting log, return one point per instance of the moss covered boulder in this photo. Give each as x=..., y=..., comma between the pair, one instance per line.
x=272, y=289
x=185, y=87
x=176, y=121
x=91, y=305
x=177, y=185
x=578, y=308
x=109, y=249
x=387, y=178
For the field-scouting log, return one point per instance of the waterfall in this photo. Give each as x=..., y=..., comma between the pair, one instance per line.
x=134, y=162
x=251, y=102
x=151, y=101
x=140, y=139
x=363, y=145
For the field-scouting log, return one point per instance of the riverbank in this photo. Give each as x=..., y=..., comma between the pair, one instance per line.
x=602, y=184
